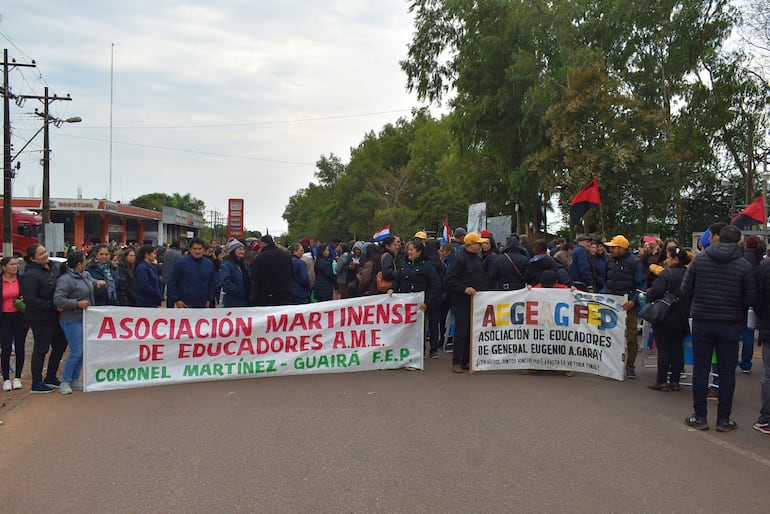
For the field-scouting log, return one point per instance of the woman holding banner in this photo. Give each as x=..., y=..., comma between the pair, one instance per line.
x=74, y=293
x=418, y=275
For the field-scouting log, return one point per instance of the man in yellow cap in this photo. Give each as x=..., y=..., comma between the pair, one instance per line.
x=421, y=236
x=464, y=278
x=625, y=277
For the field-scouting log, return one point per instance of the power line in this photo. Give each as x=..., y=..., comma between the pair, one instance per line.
x=252, y=123
x=182, y=150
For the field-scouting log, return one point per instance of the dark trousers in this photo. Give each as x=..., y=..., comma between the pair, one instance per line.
x=462, y=347
x=445, y=308
x=47, y=336
x=670, y=343
x=13, y=329
x=434, y=326
x=723, y=337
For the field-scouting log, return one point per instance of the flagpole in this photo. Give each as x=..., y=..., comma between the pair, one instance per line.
x=764, y=200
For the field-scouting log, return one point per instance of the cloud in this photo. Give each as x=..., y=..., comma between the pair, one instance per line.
x=280, y=79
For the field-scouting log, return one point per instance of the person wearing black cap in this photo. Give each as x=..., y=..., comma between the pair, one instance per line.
x=580, y=269
x=272, y=272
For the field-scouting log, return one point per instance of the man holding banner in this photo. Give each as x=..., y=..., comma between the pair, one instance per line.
x=625, y=277
x=464, y=278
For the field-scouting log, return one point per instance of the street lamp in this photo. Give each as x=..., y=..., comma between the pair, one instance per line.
x=726, y=182
x=47, y=120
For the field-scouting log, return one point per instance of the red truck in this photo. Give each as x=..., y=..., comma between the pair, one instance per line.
x=26, y=229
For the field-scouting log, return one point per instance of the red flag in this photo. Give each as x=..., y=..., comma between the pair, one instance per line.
x=586, y=199
x=753, y=214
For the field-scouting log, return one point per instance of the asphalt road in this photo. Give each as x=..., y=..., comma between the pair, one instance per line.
x=390, y=441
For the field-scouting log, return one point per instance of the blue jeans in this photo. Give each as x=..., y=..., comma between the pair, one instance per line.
x=73, y=330
x=707, y=336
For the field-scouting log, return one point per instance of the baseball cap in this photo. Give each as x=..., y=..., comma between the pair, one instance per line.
x=421, y=235
x=618, y=241
x=473, y=237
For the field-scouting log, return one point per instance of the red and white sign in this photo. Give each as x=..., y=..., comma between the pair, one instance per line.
x=138, y=347
x=235, y=217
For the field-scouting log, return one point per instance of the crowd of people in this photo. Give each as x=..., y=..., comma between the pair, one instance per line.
x=714, y=289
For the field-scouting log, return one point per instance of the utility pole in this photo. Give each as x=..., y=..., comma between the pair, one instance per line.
x=7, y=171
x=47, y=118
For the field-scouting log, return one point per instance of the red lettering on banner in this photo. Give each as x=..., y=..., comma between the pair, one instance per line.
x=127, y=332
x=184, y=350
x=532, y=313
x=184, y=329
x=278, y=325
x=155, y=326
x=411, y=311
x=246, y=347
x=142, y=329
x=489, y=317
x=107, y=328
x=200, y=334
x=150, y=352
x=581, y=313
x=298, y=322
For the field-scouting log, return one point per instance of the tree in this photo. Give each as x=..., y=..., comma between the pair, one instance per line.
x=153, y=201
x=188, y=203
x=156, y=202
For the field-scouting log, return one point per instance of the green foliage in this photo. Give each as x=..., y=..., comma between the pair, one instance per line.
x=156, y=202
x=544, y=96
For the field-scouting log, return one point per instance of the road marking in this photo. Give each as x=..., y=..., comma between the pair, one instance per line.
x=719, y=441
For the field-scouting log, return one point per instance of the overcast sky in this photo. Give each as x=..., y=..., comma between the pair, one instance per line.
x=216, y=99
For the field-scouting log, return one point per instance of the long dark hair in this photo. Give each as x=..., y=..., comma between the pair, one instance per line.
x=29, y=253
x=144, y=250
x=681, y=256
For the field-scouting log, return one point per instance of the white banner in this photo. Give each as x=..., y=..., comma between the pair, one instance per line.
x=137, y=347
x=550, y=329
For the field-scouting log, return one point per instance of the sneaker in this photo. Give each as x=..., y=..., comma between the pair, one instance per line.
x=6, y=385
x=65, y=388
x=762, y=426
x=76, y=385
x=17, y=383
x=434, y=354
x=457, y=368
x=41, y=388
x=53, y=382
x=726, y=425
x=630, y=373
x=746, y=371
x=712, y=395
x=697, y=422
